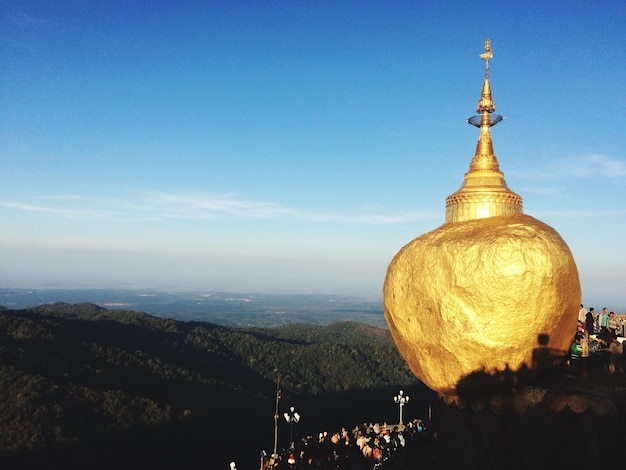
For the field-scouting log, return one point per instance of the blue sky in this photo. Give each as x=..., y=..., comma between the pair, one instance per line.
x=296, y=146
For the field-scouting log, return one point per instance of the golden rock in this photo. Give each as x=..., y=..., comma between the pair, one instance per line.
x=473, y=296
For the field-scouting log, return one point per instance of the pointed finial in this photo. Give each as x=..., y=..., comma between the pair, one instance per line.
x=486, y=103
x=487, y=55
x=484, y=192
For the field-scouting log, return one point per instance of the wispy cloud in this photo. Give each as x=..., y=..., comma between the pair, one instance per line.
x=581, y=166
x=591, y=166
x=554, y=177
x=202, y=206
x=168, y=206
x=50, y=209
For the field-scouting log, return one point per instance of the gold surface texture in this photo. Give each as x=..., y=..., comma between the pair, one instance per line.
x=472, y=297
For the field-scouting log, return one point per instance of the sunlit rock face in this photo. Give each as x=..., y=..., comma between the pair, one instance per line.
x=473, y=296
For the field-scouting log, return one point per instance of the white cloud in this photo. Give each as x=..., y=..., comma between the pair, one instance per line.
x=203, y=206
x=169, y=206
x=590, y=166
x=61, y=211
x=583, y=166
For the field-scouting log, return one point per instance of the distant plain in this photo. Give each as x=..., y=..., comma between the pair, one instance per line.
x=222, y=308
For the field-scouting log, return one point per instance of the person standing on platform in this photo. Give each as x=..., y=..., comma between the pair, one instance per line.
x=604, y=316
x=611, y=323
x=596, y=325
x=620, y=326
x=582, y=314
x=589, y=321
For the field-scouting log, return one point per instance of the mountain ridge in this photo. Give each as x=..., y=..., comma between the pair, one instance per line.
x=75, y=379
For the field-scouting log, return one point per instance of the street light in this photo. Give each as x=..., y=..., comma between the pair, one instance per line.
x=275, y=455
x=291, y=417
x=401, y=399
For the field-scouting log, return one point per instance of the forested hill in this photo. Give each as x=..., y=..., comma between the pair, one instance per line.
x=83, y=385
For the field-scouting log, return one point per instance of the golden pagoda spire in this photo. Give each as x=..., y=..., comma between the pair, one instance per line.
x=484, y=192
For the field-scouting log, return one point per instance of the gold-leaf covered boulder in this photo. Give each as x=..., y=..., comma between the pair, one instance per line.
x=471, y=299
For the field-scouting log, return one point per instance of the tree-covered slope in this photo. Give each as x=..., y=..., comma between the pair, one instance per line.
x=72, y=376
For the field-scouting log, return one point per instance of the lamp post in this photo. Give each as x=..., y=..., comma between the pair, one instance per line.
x=401, y=400
x=276, y=416
x=291, y=417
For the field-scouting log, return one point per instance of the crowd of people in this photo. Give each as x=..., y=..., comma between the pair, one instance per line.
x=369, y=446
x=366, y=447
x=595, y=322
x=598, y=334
